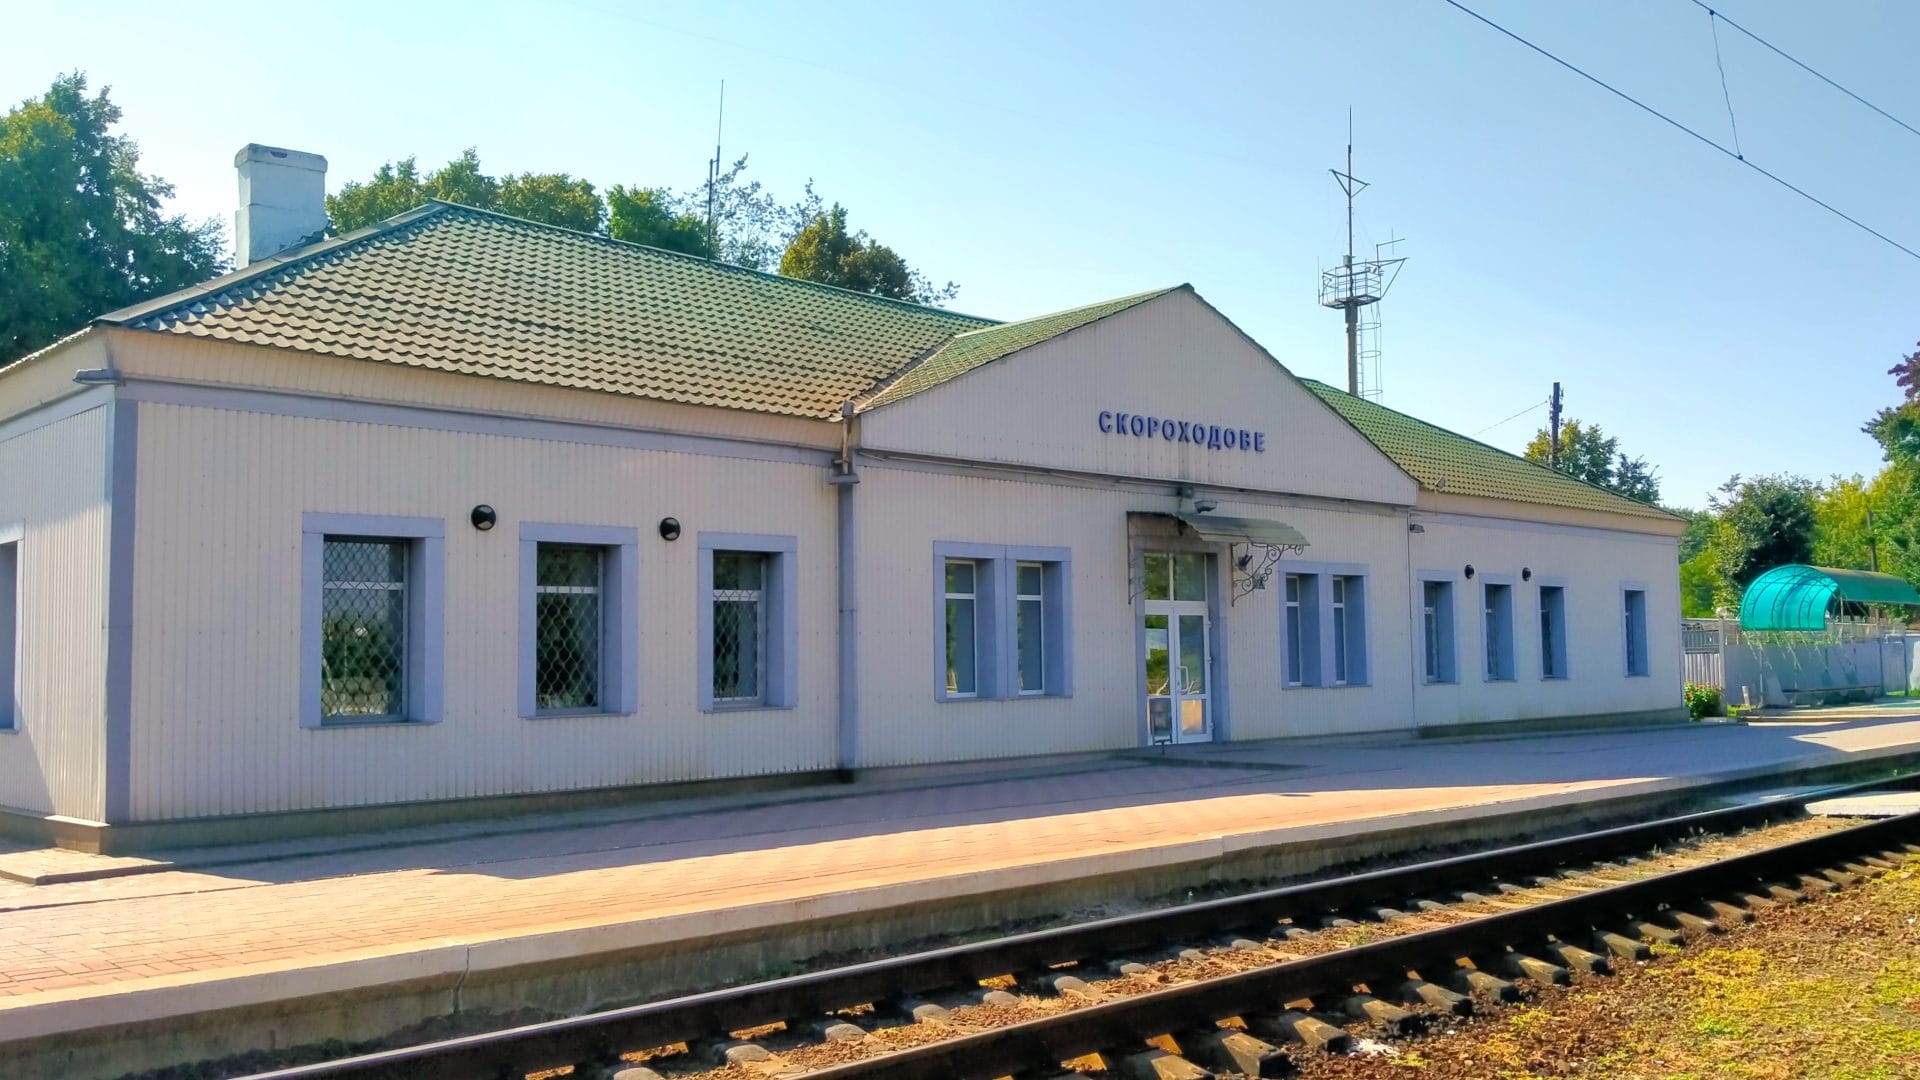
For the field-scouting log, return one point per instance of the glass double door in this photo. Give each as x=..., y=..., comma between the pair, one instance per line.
x=1179, y=657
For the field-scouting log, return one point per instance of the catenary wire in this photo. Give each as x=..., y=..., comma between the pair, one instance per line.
x=1670, y=121
x=1509, y=419
x=1796, y=62
x=1713, y=27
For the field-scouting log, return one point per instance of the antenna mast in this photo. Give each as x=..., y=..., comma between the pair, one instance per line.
x=713, y=167
x=1355, y=285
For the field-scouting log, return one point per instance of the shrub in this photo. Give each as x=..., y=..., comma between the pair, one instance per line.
x=1702, y=700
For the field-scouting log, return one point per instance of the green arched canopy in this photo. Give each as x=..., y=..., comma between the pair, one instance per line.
x=1795, y=597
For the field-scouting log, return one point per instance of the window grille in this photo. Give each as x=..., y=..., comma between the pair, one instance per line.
x=1030, y=595
x=363, y=629
x=739, y=628
x=569, y=627
x=963, y=634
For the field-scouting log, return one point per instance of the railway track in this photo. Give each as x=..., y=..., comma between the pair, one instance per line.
x=1237, y=986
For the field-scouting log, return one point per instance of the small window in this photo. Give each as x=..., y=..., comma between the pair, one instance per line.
x=739, y=628
x=1030, y=631
x=9, y=635
x=1298, y=585
x=1437, y=630
x=1498, y=625
x=963, y=630
x=1635, y=612
x=363, y=629
x=1344, y=606
x=569, y=628
x=1553, y=632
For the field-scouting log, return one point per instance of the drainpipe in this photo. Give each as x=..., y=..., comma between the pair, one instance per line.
x=844, y=478
x=1417, y=600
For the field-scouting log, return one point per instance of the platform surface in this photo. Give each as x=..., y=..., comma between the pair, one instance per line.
x=302, y=918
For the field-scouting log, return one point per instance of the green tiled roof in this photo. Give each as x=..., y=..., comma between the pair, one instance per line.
x=454, y=289
x=976, y=348
x=1444, y=461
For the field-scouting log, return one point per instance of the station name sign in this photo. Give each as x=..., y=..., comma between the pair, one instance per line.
x=1211, y=436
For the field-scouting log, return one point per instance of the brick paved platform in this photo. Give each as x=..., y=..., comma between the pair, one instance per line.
x=134, y=948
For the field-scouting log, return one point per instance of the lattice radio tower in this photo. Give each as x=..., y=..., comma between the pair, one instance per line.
x=1355, y=285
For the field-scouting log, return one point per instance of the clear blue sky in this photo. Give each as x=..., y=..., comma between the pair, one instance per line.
x=1045, y=155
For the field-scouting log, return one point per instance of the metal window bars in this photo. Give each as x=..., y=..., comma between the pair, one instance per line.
x=569, y=628
x=363, y=629
x=739, y=628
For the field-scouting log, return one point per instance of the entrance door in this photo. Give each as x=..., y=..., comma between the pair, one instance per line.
x=1179, y=656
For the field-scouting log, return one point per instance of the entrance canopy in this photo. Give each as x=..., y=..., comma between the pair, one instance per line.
x=1795, y=597
x=1233, y=530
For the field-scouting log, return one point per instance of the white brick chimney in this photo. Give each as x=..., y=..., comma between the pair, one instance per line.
x=283, y=197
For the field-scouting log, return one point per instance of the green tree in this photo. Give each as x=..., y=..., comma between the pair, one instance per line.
x=81, y=229
x=1841, y=535
x=553, y=198
x=1590, y=454
x=649, y=216
x=1765, y=521
x=824, y=251
x=1699, y=584
x=396, y=187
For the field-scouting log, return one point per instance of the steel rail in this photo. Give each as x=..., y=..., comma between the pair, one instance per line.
x=602, y=1036
x=1133, y=1020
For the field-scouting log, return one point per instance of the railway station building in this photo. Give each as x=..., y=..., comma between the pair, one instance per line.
x=461, y=507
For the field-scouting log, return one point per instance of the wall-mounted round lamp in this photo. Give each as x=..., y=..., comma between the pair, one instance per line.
x=1526, y=574
x=669, y=528
x=1469, y=571
x=483, y=517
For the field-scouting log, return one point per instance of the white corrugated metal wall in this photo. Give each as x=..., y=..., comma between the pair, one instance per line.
x=53, y=482
x=216, y=717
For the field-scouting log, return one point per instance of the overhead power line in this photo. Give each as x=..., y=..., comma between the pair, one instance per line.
x=1796, y=62
x=1650, y=110
x=1509, y=419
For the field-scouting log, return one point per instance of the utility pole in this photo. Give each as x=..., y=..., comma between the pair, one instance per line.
x=1873, y=546
x=1553, y=428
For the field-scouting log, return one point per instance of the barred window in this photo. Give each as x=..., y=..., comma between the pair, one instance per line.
x=569, y=627
x=1030, y=630
x=739, y=627
x=363, y=629
x=1339, y=611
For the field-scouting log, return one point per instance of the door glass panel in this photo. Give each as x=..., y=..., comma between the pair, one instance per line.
x=1193, y=654
x=1160, y=719
x=1189, y=577
x=1157, y=569
x=1157, y=656
x=1193, y=716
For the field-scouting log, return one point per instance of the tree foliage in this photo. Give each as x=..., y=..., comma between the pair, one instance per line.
x=650, y=216
x=81, y=229
x=397, y=186
x=824, y=251
x=1764, y=522
x=750, y=226
x=1590, y=454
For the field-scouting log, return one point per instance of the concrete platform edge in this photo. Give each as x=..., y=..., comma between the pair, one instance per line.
x=356, y=983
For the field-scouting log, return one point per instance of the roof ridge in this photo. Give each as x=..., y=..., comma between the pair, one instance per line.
x=717, y=264
x=878, y=393
x=1529, y=462
x=1007, y=324
x=272, y=264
